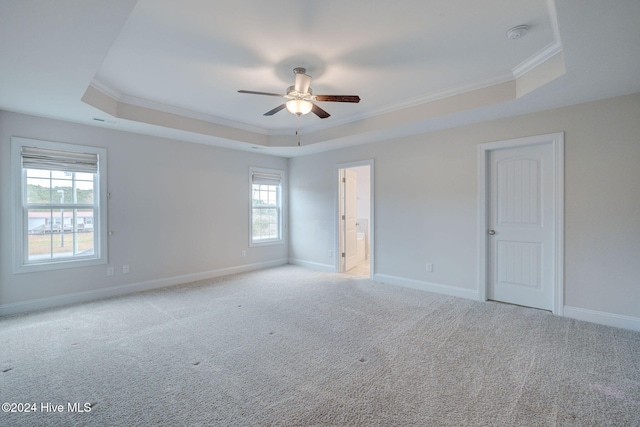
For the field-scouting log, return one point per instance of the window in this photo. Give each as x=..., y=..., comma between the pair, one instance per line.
x=266, y=206
x=60, y=212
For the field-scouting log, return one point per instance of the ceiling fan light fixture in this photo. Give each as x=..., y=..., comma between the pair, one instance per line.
x=299, y=107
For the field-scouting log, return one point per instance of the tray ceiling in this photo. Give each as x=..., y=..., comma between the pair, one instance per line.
x=174, y=68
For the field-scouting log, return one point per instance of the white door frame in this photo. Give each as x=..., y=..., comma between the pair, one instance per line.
x=557, y=142
x=338, y=232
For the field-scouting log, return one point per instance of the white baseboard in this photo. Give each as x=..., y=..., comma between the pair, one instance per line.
x=593, y=316
x=57, y=301
x=603, y=318
x=427, y=286
x=328, y=268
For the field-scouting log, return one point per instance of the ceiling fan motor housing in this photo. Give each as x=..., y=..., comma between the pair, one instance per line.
x=292, y=93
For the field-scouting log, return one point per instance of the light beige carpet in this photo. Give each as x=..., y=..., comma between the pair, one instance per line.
x=294, y=347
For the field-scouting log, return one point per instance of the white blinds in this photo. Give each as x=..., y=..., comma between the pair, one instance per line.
x=266, y=178
x=68, y=161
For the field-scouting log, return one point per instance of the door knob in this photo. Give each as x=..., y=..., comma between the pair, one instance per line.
x=492, y=232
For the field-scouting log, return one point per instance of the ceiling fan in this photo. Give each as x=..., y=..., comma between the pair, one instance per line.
x=300, y=96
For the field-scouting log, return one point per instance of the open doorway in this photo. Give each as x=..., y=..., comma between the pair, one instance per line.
x=355, y=218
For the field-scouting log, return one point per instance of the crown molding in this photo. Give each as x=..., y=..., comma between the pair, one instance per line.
x=422, y=99
x=519, y=70
x=539, y=58
x=524, y=67
x=178, y=111
x=107, y=90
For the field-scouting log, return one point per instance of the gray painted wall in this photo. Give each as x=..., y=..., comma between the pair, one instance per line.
x=178, y=211
x=426, y=203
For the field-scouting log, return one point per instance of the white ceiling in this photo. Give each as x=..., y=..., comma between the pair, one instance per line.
x=169, y=68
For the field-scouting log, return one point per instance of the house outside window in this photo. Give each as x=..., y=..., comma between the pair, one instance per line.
x=60, y=205
x=266, y=206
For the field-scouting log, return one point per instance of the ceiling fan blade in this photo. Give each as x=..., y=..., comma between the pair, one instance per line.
x=302, y=83
x=319, y=112
x=275, y=110
x=337, y=98
x=252, y=92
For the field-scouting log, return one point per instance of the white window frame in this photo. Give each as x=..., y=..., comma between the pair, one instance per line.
x=20, y=220
x=281, y=203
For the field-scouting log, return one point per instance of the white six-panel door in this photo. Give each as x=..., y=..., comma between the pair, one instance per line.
x=521, y=226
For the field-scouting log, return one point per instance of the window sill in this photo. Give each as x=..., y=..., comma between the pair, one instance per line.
x=58, y=265
x=266, y=243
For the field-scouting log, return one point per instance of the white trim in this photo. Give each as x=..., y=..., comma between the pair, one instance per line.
x=328, y=268
x=340, y=224
x=283, y=206
x=437, y=95
x=553, y=17
x=481, y=226
x=517, y=71
x=538, y=59
x=106, y=90
x=418, y=100
x=19, y=219
x=336, y=198
x=558, y=205
x=85, y=296
x=603, y=318
x=557, y=141
x=122, y=98
x=426, y=286
x=183, y=112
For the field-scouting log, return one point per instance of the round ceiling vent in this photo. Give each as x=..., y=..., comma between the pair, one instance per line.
x=517, y=32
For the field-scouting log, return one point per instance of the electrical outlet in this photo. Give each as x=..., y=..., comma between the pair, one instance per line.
x=110, y=271
x=330, y=254
x=125, y=269
x=244, y=253
x=429, y=267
